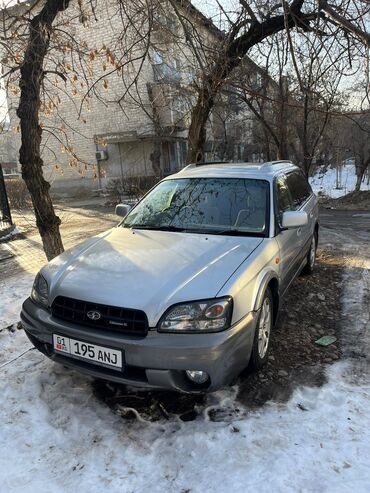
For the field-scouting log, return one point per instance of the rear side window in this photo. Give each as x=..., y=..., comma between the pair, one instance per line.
x=284, y=199
x=283, y=196
x=299, y=188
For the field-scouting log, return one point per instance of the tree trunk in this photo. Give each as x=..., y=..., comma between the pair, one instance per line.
x=307, y=162
x=197, y=129
x=282, y=151
x=229, y=58
x=267, y=145
x=155, y=158
x=32, y=74
x=358, y=183
x=360, y=171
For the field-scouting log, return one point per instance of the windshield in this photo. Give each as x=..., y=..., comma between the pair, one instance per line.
x=205, y=205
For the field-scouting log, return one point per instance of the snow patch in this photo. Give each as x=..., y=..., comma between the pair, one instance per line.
x=62, y=439
x=14, y=291
x=14, y=232
x=324, y=181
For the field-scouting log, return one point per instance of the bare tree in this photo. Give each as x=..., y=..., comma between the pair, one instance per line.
x=32, y=74
x=30, y=34
x=356, y=141
x=253, y=23
x=44, y=53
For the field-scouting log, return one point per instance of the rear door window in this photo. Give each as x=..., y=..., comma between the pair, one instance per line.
x=299, y=188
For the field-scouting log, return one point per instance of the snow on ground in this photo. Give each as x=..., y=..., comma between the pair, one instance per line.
x=57, y=438
x=14, y=232
x=324, y=181
x=13, y=291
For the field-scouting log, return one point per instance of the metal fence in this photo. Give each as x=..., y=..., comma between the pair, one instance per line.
x=6, y=223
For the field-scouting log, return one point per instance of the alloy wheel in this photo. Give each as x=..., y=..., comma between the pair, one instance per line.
x=264, y=328
x=313, y=252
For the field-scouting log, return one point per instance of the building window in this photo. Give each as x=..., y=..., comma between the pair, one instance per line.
x=166, y=68
x=168, y=22
x=190, y=74
x=157, y=58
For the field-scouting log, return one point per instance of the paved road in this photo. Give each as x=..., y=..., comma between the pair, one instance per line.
x=348, y=232
x=27, y=255
x=357, y=222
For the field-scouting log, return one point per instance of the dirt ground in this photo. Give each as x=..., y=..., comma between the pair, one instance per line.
x=351, y=201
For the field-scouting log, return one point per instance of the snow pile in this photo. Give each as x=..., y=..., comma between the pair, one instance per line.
x=325, y=181
x=14, y=291
x=59, y=438
x=14, y=232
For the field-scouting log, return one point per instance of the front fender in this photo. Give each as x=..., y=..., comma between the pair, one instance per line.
x=261, y=285
x=248, y=284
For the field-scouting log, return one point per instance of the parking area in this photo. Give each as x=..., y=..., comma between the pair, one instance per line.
x=68, y=431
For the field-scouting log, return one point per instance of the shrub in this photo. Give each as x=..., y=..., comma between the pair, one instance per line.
x=133, y=187
x=18, y=195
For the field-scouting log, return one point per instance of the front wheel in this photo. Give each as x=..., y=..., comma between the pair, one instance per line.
x=311, y=256
x=261, y=341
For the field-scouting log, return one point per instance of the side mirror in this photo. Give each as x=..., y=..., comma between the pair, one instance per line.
x=123, y=209
x=294, y=219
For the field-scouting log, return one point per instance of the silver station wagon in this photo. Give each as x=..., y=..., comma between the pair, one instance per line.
x=184, y=293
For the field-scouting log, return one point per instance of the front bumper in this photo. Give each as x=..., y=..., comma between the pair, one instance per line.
x=156, y=361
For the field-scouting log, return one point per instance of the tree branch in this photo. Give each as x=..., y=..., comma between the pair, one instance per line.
x=55, y=72
x=344, y=23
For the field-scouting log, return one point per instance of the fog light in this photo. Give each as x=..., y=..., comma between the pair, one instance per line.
x=197, y=376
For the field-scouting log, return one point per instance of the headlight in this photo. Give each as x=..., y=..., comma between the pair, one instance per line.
x=40, y=292
x=198, y=316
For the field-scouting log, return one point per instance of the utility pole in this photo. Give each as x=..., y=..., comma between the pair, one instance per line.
x=338, y=172
x=5, y=215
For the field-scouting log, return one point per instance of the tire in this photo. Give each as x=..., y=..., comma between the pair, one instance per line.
x=311, y=256
x=262, y=335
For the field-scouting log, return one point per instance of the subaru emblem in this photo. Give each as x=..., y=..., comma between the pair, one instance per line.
x=93, y=315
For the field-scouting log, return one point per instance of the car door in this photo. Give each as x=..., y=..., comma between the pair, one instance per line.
x=303, y=200
x=287, y=239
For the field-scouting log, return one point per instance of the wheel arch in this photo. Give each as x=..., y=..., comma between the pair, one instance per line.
x=271, y=281
x=274, y=288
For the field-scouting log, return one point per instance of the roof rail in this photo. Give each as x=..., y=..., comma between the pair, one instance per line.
x=204, y=163
x=193, y=165
x=281, y=161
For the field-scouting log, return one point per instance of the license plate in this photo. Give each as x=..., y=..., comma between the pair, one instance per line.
x=101, y=355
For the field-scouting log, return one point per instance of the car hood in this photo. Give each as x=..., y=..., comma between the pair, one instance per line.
x=147, y=270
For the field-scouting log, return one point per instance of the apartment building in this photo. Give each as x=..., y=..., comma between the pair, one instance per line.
x=133, y=120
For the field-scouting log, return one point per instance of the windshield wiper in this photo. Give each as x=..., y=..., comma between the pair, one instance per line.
x=155, y=228
x=237, y=232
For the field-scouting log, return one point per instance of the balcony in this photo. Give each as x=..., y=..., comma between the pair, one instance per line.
x=171, y=105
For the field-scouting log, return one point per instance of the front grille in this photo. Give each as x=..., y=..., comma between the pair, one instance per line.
x=123, y=320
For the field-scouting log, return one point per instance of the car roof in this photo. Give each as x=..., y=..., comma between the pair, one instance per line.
x=267, y=170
